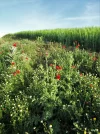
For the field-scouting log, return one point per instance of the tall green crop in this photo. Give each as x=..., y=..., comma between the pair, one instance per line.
x=88, y=38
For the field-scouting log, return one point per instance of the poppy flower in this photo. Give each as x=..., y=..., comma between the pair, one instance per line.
x=58, y=76
x=46, y=53
x=26, y=58
x=58, y=68
x=14, y=74
x=17, y=71
x=51, y=65
x=91, y=85
x=94, y=58
x=63, y=46
x=73, y=66
x=77, y=46
x=15, y=45
x=12, y=63
x=81, y=74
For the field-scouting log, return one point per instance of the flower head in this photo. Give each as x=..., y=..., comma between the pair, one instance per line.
x=81, y=74
x=15, y=45
x=63, y=46
x=94, y=58
x=58, y=76
x=14, y=74
x=91, y=85
x=12, y=63
x=84, y=131
x=46, y=53
x=50, y=126
x=51, y=65
x=73, y=66
x=78, y=45
x=94, y=119
x=26, y=58
x=17, y=71
x=58, y=68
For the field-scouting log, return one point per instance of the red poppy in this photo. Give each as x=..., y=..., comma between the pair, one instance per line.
x=58, y=68
x=94, y=58
x=63, y=46
x=91, y=85
x=77, y=46
x=14, y=73
x=51, y=65
x=58, y=76
x=17, y=71
x=73, y=66
x=26, y=58
x=15, y=45
x=12, y=63
x=81, y=74
x=46, y=53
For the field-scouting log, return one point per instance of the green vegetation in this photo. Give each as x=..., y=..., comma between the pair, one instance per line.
x=48, y=88
x=89, y=37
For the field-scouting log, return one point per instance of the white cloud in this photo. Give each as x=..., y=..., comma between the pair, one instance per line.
x=89, y=17
x=93, y=12
x=92, y=9
x=39, y=18
x=42, y=20
x=82, y=18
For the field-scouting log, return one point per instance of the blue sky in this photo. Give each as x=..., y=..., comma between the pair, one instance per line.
x=21, y=15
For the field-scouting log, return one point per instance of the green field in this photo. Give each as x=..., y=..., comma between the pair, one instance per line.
x=88, y=37
x=50, y=82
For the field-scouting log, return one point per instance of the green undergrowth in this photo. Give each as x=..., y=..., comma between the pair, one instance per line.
x=88, y=37
x=48, y=88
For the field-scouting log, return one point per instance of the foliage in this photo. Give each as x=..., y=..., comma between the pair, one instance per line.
x=88, y=37
x=48, y=89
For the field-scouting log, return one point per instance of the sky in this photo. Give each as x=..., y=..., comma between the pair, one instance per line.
x=22, y=15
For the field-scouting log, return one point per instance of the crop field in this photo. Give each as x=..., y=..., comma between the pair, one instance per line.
x=88, y=37
x=50, y=83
